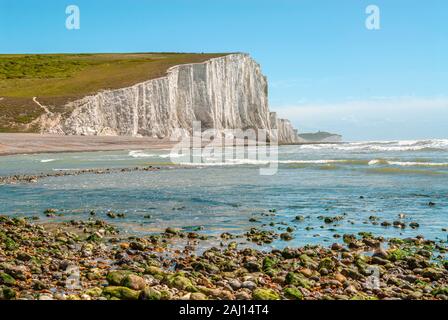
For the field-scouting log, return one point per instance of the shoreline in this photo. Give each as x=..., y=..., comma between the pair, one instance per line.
x=34, y=143
x=90, y=260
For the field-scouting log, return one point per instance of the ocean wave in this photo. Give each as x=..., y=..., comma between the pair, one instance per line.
x=141, y=154
x=230, y=162
x=377, y=161
x=47, y=160
x=317, y=162
x=384, y=146
x=408, y=163
x=171, y=155
x=227, y=162
x=326, y=161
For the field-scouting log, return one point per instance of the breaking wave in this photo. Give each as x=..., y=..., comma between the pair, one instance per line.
x=408, y=163
x=384, y=146
x=47, y=160
x=320, y=162
x=141, y=154
x=214, y=162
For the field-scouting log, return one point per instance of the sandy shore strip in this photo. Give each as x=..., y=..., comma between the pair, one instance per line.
x=24, y=143
x=29, y=143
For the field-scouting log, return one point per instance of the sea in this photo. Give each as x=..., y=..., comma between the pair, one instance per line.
x=359, y=185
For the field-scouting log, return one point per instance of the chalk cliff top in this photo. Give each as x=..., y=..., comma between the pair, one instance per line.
x=60, y=78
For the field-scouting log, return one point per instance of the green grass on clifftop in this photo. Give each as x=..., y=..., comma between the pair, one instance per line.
x=56, y=79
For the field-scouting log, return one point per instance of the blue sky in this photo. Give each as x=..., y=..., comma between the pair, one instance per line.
x=326, y=69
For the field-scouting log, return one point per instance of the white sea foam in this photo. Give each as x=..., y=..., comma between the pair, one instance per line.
x=171, y=155
x=384, y=146
x=47, y=160
x=226, y=157
x=236, y=162
x=373, y=162
x=141, y=154
x=408, y=163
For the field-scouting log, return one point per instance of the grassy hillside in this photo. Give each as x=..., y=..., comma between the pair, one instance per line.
x=56, y=79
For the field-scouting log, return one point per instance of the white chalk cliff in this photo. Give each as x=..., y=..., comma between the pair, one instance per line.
x=229, y=92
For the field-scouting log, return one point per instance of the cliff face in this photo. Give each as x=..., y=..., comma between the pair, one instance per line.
x=285, y=131
x=229, y=92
